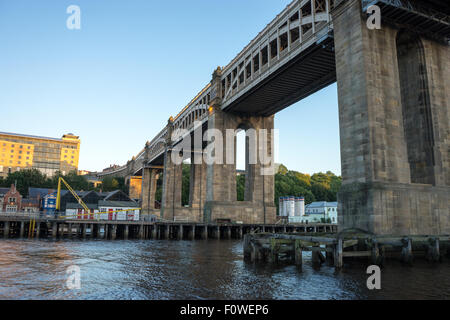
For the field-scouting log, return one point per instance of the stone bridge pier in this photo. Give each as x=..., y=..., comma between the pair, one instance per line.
x=221, y=196
x=150, y=176
x=394, y=113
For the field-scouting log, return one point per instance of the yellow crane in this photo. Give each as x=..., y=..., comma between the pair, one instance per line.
x=58, y=195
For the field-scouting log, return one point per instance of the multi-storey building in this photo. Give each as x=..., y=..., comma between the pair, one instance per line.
x=48, y=155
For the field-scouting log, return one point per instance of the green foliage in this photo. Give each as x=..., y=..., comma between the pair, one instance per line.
x=185, y=184
x=318, y=187
x=240, y=187
x=109, y=184
x=27, y=178
x=282, y=169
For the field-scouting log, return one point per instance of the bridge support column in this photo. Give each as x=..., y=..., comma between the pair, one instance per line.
x=393, y=115
x=197, y=192
x=171, y=192
x=221, y=202
x=149, y=179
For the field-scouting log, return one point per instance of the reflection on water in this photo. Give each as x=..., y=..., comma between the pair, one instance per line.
x=194, y=270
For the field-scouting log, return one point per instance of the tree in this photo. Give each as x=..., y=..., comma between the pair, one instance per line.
x=240, y=187
x=186, y=182
x=27, y=178
x=109, y=184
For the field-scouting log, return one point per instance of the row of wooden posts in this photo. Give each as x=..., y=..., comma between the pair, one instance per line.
x=142, y=230
x=334, y=249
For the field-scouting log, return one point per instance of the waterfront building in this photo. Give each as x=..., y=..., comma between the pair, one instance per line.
x=48, y=155
x=31, y=205
x=316, y=211
x=107, y=202
x=12, y=200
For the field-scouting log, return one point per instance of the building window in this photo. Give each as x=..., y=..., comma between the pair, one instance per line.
x=12, y=200
x=11, y=208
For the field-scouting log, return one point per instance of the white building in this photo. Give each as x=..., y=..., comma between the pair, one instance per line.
x=321, y=211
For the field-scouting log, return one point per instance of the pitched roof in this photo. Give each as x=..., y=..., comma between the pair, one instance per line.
x=4, y=191
x=72, y=205
x=118, y=204
x=35, y=192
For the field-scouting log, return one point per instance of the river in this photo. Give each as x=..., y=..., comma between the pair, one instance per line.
x=212, y=269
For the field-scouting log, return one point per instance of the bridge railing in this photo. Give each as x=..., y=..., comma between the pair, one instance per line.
x=294, y=28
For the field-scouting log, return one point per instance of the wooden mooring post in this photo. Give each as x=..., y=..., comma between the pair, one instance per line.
x=332, y=249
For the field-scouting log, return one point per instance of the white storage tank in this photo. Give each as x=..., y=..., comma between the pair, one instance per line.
x=285, y=206
x=297, y=206
x=291, y=206
x=302, y=206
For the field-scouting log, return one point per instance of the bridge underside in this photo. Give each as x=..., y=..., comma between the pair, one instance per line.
x=310, y=71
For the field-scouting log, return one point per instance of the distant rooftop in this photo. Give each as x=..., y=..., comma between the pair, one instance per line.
x=70, y=136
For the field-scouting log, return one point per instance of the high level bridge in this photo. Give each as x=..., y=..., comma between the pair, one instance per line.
x=394, y=113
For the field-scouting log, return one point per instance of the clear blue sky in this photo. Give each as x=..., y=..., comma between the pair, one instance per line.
x=133, y=64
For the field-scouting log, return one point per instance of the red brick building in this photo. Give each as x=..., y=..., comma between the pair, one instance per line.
x=12, y=200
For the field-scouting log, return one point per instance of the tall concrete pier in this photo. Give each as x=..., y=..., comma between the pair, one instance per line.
x=394, y=109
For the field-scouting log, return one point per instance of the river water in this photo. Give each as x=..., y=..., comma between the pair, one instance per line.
x=212, y=269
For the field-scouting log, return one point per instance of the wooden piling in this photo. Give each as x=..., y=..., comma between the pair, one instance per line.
x=125, y=232
x=205, y=232
x=338, y=254
x=298, y=253
x=433, y=252
x=6, y=229
x=38, y=229
x=22, y=229
x=192, y=232
x=114, y=232
x=155, y=232
x=141, y=232
x=167, y=232
x=247, y=247
x=54, y=230
x=406, y=255
x=329, y=255
x=241, y=232
x=217, y=233
x=180, y=232
x=228, y=232
x=274, y=251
